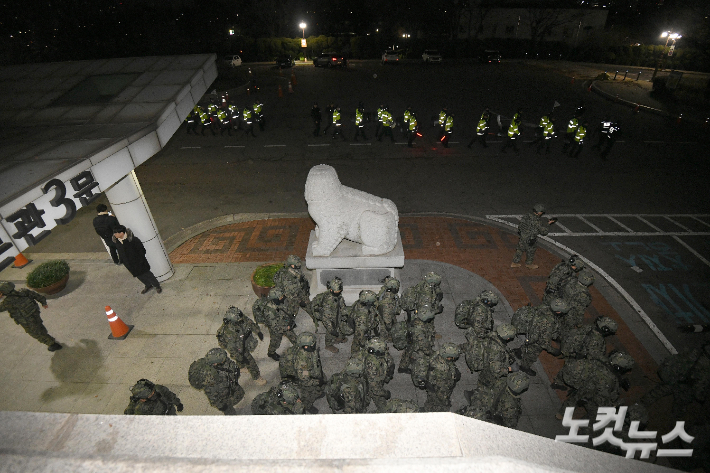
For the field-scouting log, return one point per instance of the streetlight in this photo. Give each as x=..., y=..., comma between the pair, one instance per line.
x=669, y=35
x=303, y=27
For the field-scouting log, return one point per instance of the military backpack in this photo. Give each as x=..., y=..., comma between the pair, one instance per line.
x=400, y=337
x=258, y=309
x=522, y=318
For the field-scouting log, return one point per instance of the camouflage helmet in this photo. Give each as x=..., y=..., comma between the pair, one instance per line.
x=306, y=339
x=287, y=393
x=233, y=314
x=606, y=325
x=489, y=298
x=142, y=389
x=216, y=355
x=424, y=312
x=576, y=261
x=559, y=305
x=293, y=260
x=450, y=350
x=518, y=382
x=276, y=294
x=376, y=345
x=432, y=278
x=6, y=286
x=586, y=277
x=621, y=360
x=506, y=331
x=401, y=406
x=392, y=283
x=335, y=284
x=367, y=297
x=355, y=366
x=539, y=208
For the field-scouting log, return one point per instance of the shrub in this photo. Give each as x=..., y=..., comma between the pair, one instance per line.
x=47, y=273
x=264, y=275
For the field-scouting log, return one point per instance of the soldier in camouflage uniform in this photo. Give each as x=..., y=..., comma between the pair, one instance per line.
x=588, y=341
x=236, y=335
x=388, y=306
x=685, y=376
x=328, y=308
x=508, y=407
x=544, y=327
x=293, y=283
x=279, y=400
x=301, y=364
x=149, y=399
x=427, y=291
x=420, y=338
x=594, y=383
x=576, y=293
x=565, y=270
x=379, y=370
x=531, y=225
x=279, y=322
x=23, y=309
x=438, y=375
x=499, y=360
x=400, y=406
x=365, y=316
x=218, y=377
x=347, y=391
x=477, y=315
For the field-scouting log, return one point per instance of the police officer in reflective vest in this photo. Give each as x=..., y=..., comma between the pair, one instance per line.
x=578, y=144
x=337, y=124
x=413, y=129
x=448, y=129
x=482, y=129
x=248, y=123
x=360, y=122
x=513, y=134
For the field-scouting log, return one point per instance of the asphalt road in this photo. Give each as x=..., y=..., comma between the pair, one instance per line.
x=656, y=168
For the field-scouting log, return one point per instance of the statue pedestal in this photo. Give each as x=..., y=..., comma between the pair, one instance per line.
x=357, y=271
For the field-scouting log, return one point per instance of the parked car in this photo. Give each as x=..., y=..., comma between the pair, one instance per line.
x=390, y=57
x=431, y=56
x=490, y=56
x=233, y=61
x=285, y=61
x=329, y=59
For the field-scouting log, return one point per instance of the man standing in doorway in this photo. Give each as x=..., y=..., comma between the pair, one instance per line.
x=132, y=254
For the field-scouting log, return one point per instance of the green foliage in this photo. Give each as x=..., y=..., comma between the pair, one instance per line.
x=264, y=275
x=47, y=273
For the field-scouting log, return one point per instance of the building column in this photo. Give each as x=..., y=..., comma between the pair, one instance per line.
x=131, y=209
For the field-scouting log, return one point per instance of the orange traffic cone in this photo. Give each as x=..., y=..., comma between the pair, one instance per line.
x=293, y=78
x=290, y=87
x=21, y=261
x=119, y=330
x=281, y=92
x=573, y=80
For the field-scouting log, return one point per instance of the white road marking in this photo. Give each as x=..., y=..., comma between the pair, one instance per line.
x=274, y=146
x=360, y=144
x=687, y=247
x=191, y=147
x=323, y=144
x=234, y=146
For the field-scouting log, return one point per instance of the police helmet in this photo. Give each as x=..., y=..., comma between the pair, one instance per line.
x=275, y=294
x=392, y=283
x=233, y=314
x=306, y=339
x=424, y=312
x=559, y=305
x=586, y=277
x=367, y=297
x=216, y=355
x=142, y=389
x=377, y=346
x=6, y=286
x=607, y=325
x=354, y=366
x=539, y=208
x=489, y=298
x=450, y=350
x=335, y=284
x=287, y=393
x=518, y=382
x=294, y=261
x=432, y=278
x=506, y=331
x=621, y=360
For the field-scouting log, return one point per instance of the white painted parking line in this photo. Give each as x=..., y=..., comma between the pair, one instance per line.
x=323, y=144
x=678, y=224
x=599, y=230
x=274, y=146
x=191, y=147
x=687, y=247
x=649, y=224
x=234, y=146
x=701, y=221
x=360, y=144
x=620, y=224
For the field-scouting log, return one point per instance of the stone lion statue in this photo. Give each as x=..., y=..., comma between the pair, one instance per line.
x=343, y=212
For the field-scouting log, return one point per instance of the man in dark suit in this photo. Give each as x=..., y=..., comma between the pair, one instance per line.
x=104, y=223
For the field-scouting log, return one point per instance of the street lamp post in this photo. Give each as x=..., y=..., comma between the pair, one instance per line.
x=302, y=25
x=669, y=35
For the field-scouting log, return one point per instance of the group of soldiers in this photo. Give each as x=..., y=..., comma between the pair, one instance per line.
x=225, y=116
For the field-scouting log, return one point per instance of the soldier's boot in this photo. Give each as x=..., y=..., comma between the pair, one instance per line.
x=229, y=411
x=312, y=410
x=260, y=381
x=528, y=371
x=274, y=356
x=54, y=347
x=515, y=265
x=467, y=395
x=518, y=352
x=341, y=339
x=531, y=266
x=332, y=349
x=559, y=387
